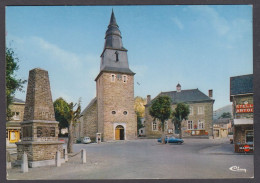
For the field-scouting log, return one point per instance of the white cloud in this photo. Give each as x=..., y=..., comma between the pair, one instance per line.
x=219, y=23
x=177, y=22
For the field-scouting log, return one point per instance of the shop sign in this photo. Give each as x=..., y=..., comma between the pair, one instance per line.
x=245, y=108
x=246, y=148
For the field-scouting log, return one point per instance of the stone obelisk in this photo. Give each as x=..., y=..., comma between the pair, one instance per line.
x=39, y=129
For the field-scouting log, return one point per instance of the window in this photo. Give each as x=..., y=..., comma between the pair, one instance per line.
x=16, y=116
x=112, y=77
x=200, y=110
x=191, y=110
x=124, y=79
x=141, y=131
x=119, y=76
x=154, y=126
x=125, y=112
x=249, y=136
x=113, y=112
x=190, y=125
x=117, y=59
x=201, y=124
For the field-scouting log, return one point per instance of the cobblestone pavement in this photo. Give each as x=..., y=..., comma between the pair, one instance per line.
x=147, y=159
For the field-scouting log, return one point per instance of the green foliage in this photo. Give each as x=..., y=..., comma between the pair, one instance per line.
x=180, y=113
x=225, y=115
x=62, y=108
x=12, y=82
x=139, y=123
x=161, y=109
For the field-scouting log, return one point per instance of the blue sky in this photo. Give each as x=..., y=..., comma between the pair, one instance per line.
x=198, y=46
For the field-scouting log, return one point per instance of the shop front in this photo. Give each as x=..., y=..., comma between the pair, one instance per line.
x=244, y=135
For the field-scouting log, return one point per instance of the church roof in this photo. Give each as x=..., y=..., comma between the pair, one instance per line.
x=241, y=85
x=186, y=96
x=16, y=100
x=88, y=106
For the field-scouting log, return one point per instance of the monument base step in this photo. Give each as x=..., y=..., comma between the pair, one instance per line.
x=33, y=164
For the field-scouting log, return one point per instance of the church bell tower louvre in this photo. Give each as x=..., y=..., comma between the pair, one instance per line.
x=115, y=89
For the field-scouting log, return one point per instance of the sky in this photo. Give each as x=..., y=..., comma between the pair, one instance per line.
x=199, y=46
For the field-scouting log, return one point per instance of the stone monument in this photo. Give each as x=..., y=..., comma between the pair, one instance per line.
x=39, y=129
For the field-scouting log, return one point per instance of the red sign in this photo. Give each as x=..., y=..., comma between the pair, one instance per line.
x=245, y=108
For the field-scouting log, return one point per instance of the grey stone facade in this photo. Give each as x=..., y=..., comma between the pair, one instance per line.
x=200, y=117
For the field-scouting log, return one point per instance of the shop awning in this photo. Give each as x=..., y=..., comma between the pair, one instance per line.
x=243, y=121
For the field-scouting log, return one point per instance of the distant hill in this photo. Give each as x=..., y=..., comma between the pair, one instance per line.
x=217, y=113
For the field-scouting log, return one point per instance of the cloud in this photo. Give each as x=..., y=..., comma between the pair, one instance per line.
x=219, y=23
x=177, y=22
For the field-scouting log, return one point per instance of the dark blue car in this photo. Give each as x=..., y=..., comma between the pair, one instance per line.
x=171, y=140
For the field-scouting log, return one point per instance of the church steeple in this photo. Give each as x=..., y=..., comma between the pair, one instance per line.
x=114, y=55
x=113, y=35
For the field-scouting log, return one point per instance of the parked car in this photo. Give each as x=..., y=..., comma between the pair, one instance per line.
x=86, y=140
x=171, y=140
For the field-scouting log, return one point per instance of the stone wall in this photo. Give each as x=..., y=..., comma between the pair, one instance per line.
x=240, y=133
x=237, y=100
x=207, y=117
x=15, y=107
x=38, y=104
x=116, y=96
x=39, y=152
x=89, y=122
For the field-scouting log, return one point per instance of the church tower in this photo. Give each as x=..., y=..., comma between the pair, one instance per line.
x=115, y=89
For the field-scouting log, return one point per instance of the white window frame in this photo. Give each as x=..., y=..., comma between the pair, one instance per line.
x=16, y=116
x=201, y=111
x=199, y=124
x=124, y=78
x=191, y=110
x=113, y=77
x=188, y=125
x=154, y=123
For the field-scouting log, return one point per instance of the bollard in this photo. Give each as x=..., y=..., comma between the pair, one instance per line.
x=8, y=161
x=24, y=165
x=83, y=156
x=65, y=153
x=58, y=161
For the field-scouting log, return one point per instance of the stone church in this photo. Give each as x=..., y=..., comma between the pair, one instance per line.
x=111, y=112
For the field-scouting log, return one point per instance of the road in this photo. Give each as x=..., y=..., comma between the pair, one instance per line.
x=147, y=159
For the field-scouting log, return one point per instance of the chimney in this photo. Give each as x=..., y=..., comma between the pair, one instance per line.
x=210, y=93
x=148, y=99
x=178, y=87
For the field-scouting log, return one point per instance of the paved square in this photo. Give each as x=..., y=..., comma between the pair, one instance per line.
x=147, y=159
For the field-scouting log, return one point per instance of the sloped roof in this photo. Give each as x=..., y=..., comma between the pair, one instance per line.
x=241, y=85
x=186, y=96
x=16, y=100
x=89, y=105
x=221, y=121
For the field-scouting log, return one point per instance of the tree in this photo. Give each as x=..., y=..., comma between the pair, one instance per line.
x=73, y=118
x=161, y=110
x=67, y=115
x=180, y=113
x=139, y=106
x=61, y=108
x=139, y=110
x=12, y=82
x=225, y=115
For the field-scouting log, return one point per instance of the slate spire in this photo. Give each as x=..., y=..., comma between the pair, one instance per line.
x=113, y=35
x=114, y=55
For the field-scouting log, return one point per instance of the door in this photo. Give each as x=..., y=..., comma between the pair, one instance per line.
x=119, y=132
